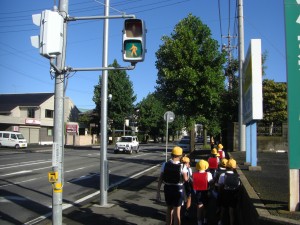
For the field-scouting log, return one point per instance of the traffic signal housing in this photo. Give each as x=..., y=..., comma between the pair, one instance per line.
x=50, y=40
x=134, y=40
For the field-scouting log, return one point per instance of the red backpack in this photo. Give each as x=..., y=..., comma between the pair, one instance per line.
x=200, y=181
x=213, y=163
x=221, y=154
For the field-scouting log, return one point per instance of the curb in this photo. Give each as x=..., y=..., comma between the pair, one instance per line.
x=263, y=214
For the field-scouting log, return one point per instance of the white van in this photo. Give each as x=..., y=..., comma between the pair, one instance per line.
x=12, y=139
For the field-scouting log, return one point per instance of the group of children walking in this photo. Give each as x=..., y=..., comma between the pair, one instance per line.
x=213, y=178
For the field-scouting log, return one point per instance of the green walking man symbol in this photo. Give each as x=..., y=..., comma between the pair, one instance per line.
x=133, y=50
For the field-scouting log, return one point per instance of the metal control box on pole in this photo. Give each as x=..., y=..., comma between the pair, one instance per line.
x=168, y=117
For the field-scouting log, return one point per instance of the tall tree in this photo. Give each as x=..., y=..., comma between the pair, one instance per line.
x=121, y=89
x=150, y=120
x=190, y=71
x=274, y=103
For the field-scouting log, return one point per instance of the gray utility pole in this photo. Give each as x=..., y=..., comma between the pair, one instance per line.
x=58, y=146
x=104, y=182
x=242, y=127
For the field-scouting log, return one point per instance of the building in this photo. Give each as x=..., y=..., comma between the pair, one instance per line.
x=32, y=114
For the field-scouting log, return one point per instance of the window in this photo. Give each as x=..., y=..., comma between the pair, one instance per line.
x=13, y=136
x=30, y=113
x=50, y=131
x=49, y=113
x=6, y=135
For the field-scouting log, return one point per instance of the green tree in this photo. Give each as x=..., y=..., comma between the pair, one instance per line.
x=121, y=89
x=190, y=77
x=150, y=120
x=274, y=103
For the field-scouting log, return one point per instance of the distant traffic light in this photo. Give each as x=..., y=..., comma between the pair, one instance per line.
x=134, y=40
x=50, y=40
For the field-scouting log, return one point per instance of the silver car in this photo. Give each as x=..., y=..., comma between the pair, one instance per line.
x=185, y=145
x=127, y=144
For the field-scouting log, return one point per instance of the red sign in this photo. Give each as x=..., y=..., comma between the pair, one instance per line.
x=72, y=128
x=32, y=121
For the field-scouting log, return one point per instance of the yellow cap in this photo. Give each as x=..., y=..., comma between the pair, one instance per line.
x=177, y=151
x=214, y=151
x=185, y=159
x=202, y=165
x=231, y=163
x=220, y=146
x=223, y=162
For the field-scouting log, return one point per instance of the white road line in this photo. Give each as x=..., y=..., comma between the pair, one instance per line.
x=91, y=154
x=81, y=168
x=11, y=164
x=15, y=173
x=66, y=206
x=139, y=155
x=24, y=164
x=82, y=178
x=24, y=171
x=24, y=181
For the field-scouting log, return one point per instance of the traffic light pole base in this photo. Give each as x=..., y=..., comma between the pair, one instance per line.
x=104, y=206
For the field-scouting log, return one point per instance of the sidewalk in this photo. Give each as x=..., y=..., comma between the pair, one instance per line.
x=135, y=203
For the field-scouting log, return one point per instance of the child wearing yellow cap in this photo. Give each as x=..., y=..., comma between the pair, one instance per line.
x=221, y=151
x=201, y=183
x=229, y=183
x=188, y=185
x=173, y=174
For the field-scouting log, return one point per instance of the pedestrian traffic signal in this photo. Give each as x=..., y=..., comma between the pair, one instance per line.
x=50, y=40
x=134, y=40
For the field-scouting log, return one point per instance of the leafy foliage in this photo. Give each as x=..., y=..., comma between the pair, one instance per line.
x=121, y=89
x=190, y=78
x=150, y=120
x=275, y=101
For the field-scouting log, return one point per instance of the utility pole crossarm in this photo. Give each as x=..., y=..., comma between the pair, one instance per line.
x=99, y=17
x=71, y=69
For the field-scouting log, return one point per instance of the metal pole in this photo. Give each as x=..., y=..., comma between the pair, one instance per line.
x=124, y=127
x=103, y=158
x=242, y=127
x=167, y=137
x=58, y=146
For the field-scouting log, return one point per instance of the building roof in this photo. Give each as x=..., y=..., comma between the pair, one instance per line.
x=10, y=101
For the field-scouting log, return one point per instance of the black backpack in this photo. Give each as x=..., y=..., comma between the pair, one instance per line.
x=232, y=181
x=172, y=173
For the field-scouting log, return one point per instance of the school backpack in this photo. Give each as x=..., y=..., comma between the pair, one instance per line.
x=231, y=181
x=172, y=173
x=200, y=181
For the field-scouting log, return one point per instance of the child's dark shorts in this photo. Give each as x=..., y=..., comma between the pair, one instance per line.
x=202, y=197
x=173, y=195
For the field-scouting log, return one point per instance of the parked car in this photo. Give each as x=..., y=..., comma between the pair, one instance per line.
x=186, y=137
x=185, y=145
x=199, y=139
x=127, y=144
x=12, y=139
x=208, y=139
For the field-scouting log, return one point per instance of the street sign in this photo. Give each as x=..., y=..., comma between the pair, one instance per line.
x=169, y=116
x=292, y=39
x=292, y=33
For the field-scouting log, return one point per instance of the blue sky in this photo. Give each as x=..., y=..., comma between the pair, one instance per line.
x=23, y=70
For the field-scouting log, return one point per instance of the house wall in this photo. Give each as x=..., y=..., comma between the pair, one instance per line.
x=80, y=140
x=49, y=104
x=40, y=130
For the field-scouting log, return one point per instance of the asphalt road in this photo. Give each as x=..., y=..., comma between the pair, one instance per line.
x=24, y=186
